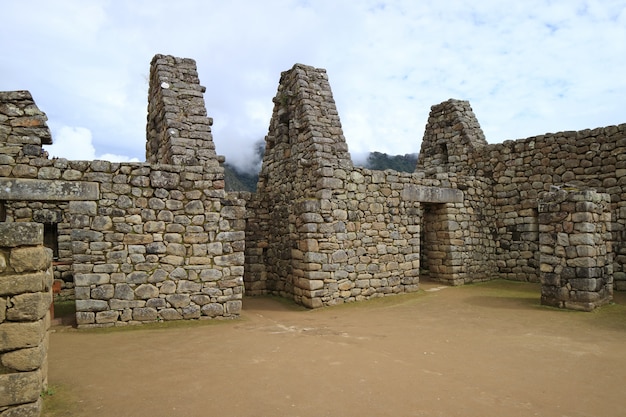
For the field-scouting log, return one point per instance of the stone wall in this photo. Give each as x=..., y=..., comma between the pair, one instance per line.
x=144, y=241
x=323, y=232
x=162, y=240
x=576, y=267
x=25, y=297
x=516, y=173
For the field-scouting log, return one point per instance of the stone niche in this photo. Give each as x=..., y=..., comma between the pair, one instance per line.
x=576, y=261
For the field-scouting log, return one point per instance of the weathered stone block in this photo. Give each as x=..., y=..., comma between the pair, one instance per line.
x=145, y=314
x=233, y=307
x=20, y=335
x=28, y=259
x=211, y=275
x=191, y=312
x=170, y=314
x=91, y=305
x=213, y=310
x=22, y=360
x=126, y=304
x=91, y=279
x=85, y=317
x=19, y=388
x=137, y=277
x=123, y=291
x=109, y=316
x=20, y=234
x=18, y=284
x=138, y=239
x=29, y=306
x=237, y=258
x=178, y=300
x=146, y=291
x=166, y=180
x=103, y=292
x=89, y=208
x=184, y=286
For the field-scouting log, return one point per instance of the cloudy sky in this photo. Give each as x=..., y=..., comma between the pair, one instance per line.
x=527, y=67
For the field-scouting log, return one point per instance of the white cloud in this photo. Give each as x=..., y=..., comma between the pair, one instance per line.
x=526, y=67
x=72, y=143
x=75, y=143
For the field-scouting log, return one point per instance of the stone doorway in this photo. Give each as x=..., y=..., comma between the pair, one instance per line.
x=436, y=258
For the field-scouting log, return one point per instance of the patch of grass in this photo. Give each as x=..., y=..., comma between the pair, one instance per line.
x=287, y=302
x=390, y=300
x=64, y=308
x=57, y=402
x=159, y=325
x=507, y=289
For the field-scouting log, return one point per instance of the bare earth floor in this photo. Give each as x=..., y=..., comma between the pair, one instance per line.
x=479, y=350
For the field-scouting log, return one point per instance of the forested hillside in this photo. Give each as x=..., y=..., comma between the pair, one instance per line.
x=238, y=180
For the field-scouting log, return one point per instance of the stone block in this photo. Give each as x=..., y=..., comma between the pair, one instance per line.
x=146, y=291
x=30, y=259
x=178, y=300
x=124, y=304
x=109, y=316
x=20, y=388
x=166, y=180
x=103, y=292
x=233, y=307
x=191, y=311
x=157, y=303
x=583, y=239
x=233, y=259
x=123, y=291
x=138, y=239
x=85, y=317
x=145, y=314
x=185, y=286
x=168, y=287
x=91, y=305
x=231, y=236
x=89, y=208
x=29, y=306
x=24, y=410
x=21, y=335
x=23, y=360
x=213, y=310
x=210, y=275
x=137, y=277
x=194, y=207
x=19, y=234
x=170, y=314
x=91, y=279
x=200, y=299
x=18, y=284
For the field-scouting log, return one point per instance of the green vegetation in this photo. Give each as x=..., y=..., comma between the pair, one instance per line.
x=246, y=180
x=382, y=161
x=57, y=402
x=64, y=308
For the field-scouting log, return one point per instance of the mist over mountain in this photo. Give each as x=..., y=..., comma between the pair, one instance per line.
x=381, y=161
x=245, y=178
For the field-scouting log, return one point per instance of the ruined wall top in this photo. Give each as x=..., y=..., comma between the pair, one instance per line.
x=305, y=133
x=178, y=129
x=452, y=132
x=23, y=128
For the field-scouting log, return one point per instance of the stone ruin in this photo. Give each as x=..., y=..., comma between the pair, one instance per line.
x=163, y=240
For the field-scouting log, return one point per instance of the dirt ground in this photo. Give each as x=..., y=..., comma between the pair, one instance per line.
x=479, y=350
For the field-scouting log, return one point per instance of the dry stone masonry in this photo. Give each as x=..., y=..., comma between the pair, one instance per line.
x=162, y=240
x=144, y=242
x=576, y=267
x=25, y=297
